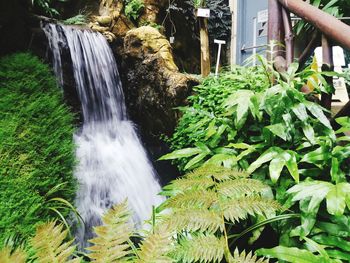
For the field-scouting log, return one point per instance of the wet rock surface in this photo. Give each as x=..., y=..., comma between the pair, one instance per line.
x=152, y=83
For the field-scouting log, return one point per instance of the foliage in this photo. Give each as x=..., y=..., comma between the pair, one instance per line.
x=36, y=150
x=49, y=246
x=9, y=256
x=220, y=19
x=79, y=19
x=44, y=7
x=133, y=8
x=285, y=139
x=193, y=225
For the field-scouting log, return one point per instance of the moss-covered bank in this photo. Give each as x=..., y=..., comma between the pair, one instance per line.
x=36, y=146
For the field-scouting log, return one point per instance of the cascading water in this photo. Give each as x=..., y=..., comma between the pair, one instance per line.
x=112, y=164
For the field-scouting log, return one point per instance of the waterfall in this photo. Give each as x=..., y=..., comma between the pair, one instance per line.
x=112, y=164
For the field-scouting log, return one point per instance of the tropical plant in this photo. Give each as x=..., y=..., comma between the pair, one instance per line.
x=133, y=8
x=196, y=224
x=277, y=133
x=80, y=19
x=36, y=150
x=45, y=7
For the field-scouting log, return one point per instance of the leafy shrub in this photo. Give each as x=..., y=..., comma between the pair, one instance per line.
x=36, y=150
x=79, y=19
x=194, y=226
x=286, y=140
x=133, y=8
x=45, y=7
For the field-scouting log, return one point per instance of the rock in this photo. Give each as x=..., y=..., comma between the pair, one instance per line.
x=104, y=20
x=152, y=83
x=109, y=36
x=95, y=26
x=122, y=26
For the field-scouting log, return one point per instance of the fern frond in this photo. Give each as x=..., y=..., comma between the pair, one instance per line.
x=18, y=256
x=200, y=248
x=219, y=173
x=194, y=220
x=247, y=258
x=112, y=241
x=240, y=187
x=49, y=246
x=239, y=209
x=185, y=183
x=155, y=248
x=192, y=199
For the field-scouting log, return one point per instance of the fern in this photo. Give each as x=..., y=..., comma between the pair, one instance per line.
x=200, y=248
x=49, y=246
x=113, y=237
x=247, y=258
x=216, y=172
x=240, y=187
x=18, y=256
x=186, y=200
x=245, y=206
x=155, y=248
x=194, y=220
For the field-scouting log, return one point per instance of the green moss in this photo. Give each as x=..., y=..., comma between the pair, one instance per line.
x=36, y=149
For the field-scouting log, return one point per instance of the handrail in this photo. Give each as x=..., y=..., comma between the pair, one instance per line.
x=332, y=27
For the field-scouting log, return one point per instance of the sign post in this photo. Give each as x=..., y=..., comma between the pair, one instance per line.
x=203, y=14
x=220, y=43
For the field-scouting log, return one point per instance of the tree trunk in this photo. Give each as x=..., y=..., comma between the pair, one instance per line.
x=333, y=28
x=204, y=38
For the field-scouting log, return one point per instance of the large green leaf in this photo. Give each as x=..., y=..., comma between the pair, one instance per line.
x=332, y=241
x=300, y=111
x=264, y=158
x=279, y=130
x=317, y=111
x=187, y=152
x=291, y=254
x=276, y=167
x=336, y=199
x=291, y=163
x=194, y=161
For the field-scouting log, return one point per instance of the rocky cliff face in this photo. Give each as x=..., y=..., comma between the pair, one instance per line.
x=152, y=82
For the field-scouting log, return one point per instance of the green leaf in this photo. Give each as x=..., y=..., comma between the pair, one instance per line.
x=279, y=130
x=291, y=254
x=291, y=163
x=264, y=158
x=317, y=112
x=276, y=167
x=195, y=160
x=310, y=189
x=336, y=199
x=187, y=152
x=320, y=155
x=309, y=133
x=333, y=241
x=300, y=111
x=338, y=254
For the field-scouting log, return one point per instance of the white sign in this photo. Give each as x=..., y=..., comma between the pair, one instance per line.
x=263, y=16
x=172, y=40
x=203, y=12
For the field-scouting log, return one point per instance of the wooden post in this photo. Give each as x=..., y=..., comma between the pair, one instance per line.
x=327, y=65
x=204, y=39
x=275, y=30
x=288, y=36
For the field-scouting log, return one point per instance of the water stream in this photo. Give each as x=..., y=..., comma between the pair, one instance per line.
x=112, y=163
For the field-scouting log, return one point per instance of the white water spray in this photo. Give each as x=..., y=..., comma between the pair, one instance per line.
x=112, y=164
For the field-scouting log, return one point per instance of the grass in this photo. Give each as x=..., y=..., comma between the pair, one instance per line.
x=36, y=149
